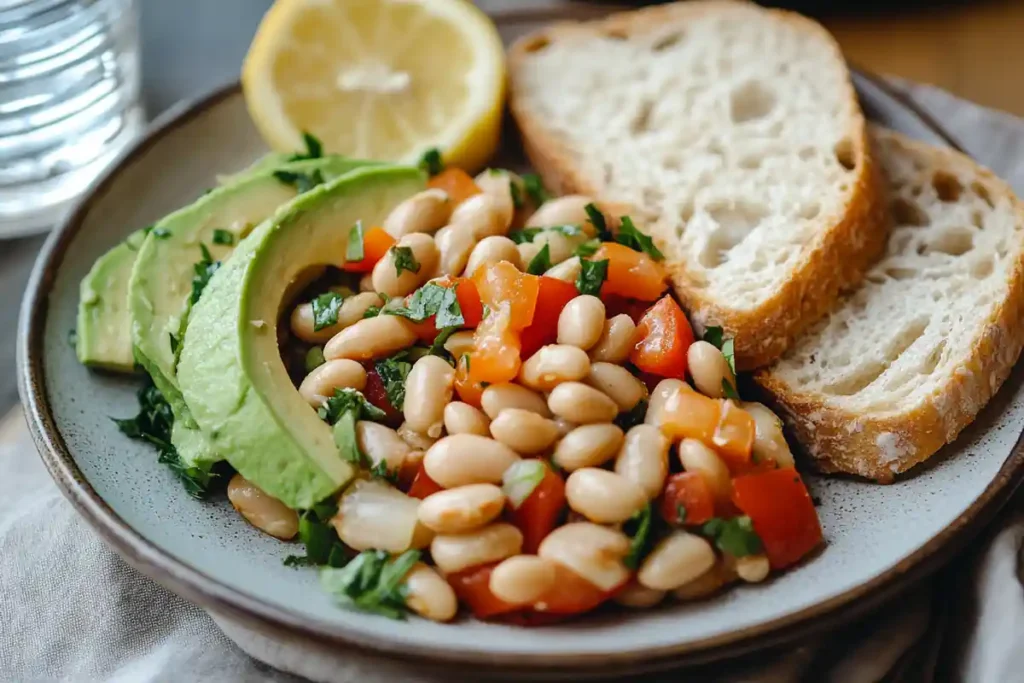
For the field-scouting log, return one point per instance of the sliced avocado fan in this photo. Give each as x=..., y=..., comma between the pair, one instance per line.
x=230, y=370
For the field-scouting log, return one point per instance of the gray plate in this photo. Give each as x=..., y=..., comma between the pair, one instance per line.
x=878, y=537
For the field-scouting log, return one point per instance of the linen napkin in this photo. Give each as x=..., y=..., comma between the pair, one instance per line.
x=71, y=610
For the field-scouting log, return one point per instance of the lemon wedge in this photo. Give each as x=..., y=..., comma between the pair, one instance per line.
x=378, y=79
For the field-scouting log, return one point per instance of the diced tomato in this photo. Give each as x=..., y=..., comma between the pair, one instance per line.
x=495, y=356
x=718, y=423
x=616, y=305
x=376, y=242
x=687, y=493
x=422, y=485
x=540, y=511
x=473, y=587
x=552, y=296
x=469, y=303
x=572, y=594
x=663, y=337
x=782, y=512
x=631, y=273
x=457, y=183
x=502, y=286
x=377, y=395
x=426, y=331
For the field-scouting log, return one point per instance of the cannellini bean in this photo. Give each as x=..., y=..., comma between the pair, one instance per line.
x=462, y=418
x=381, y=443
x=581, y=404
x=267, y=514
x=753, y=568
x=320, y=384
x=564, y=426
x=769, y=442
x=375, y=515
x=522, y=579
x=499, y=397
x=553, y=364
x=617, y=383
x=709, y=369
x=560, y=246
x=696, y=457
x=565, y=210
x=581, y=322
x=566, y=271
x=484, y=214
x=616, y=341
x=352, y=310
x=426, y=211
x=454, y=244
x=527, y=252
x=498, y=182
x=602, y=496
x=664, y=390
x=587, y=446
x=428, y=389
x=355, y=307
x=638, y=597
x=453, y=553
x=462, y=509
x=386, y=278
x=594, y=552
x=371, y=338
x=492, y=250
x=708, y=583
x=416, y=440
x=462, y=459
x=460, y=343
x=429, y=595
x=524, y=431
x=676, y=560
x=643, y=459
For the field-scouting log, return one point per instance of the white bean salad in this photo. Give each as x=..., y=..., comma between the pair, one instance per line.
x=537, y=430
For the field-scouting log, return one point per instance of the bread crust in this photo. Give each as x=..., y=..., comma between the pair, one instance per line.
x=880, y=446
x=835, y=261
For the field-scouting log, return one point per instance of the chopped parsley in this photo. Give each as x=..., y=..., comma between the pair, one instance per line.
x=316, y=533
x=349, y=401
x=631, y=236
x=714, y=335
x=371, y=312
x=735, y=536
x=431, y=161
x=431, y=299
x=633, y=416
x=175, y=343
x=525, y=235
x=314, y=148
x=597, y=219
x=729, y=351
x=203, y=271
x=302, y=182
x=535, y=189
x=437, y=348
x=638, y=528
x=159, y=233
x=221, y=236
x=592, y=276
x=354, y=250
x=314, y=358
x=588, y=248
x=325, y=310
x=153, y=425
x=514, y=190
x=405, y=260
x=347, y=441
x=729, y=391
x=372, y=582
x=381, y=471
x=540, y=263
x=393, y=372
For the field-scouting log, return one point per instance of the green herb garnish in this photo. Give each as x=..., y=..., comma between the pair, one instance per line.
x=404, y=260
x=729, y=351
x=515, y=191
x=393, y=372
x=633, y=416
x=535, y=188
x=631, y=236
x=203, y=271
x=638, y=528
x=325, y=310
x=349, y=401
x=592, y=276
x=221, y=236
x=437, y=347
x=729, y=391
x=431, y=299
x=597, y=219
x=160, y=233
x=322, y=544
x=735, y=536
x=302, y=182
x=314, y=148
x=314, y=358
x=714, y=335
x=540, y=263
x=372, y=582
x=431, y=161
x=588, y=248
x=354, y=250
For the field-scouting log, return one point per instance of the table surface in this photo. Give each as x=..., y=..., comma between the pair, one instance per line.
x=973, y=49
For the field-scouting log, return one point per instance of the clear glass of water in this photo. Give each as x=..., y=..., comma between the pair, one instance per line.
x=69, y=102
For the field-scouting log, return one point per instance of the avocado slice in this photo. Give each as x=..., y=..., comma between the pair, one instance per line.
x=230, y=370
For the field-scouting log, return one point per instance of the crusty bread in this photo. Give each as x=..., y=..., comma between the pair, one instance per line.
x=907, y=360
x=735, y=133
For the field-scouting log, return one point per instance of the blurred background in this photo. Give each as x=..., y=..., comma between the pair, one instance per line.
x=187, y=47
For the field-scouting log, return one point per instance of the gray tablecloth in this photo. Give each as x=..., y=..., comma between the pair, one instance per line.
x=71, y=610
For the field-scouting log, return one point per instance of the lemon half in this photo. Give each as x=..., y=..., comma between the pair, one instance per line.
x=378, y=79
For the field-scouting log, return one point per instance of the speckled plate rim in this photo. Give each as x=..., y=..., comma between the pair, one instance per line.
x=224, y=600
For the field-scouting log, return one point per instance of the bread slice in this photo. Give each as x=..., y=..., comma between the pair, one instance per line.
x=907, y=360
x=735, y=133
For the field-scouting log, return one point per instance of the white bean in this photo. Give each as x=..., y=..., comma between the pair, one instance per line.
x=462, y=418
x=426, y=211
x=676, y=560
x=429, y=595
x=665, y=389
x=753, y=568
x=581, y=404
x=708, y=583
x=566, y=271
x=374, y=514
x=454, y=244
x=320, y=384
x=264, y=512
x=386, y=278
x=618, y=384
x=428, y=389
x=498, y=183
x=499, y=397
x=594, y=552
x=769, y=441
x=638, y=597
x=522, y=579
x=490, y=250
x=643, y=459
x=527, y=252
x=602, y=496
x=454, y=552
x=462, y=459
x=587, y=446
x=616, y=342
x=581, y=322
x=380, y=443
x=371, y=338
x=524, y=431
x=416, y=440
x=553, y=364
x=560, y=246
x=462, y=509
x=697, y=457
x=484, y=215
x=709, y=369
x=460, y=343
x=566, y=210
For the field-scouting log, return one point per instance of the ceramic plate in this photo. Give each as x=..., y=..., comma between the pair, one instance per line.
x=878, y=537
